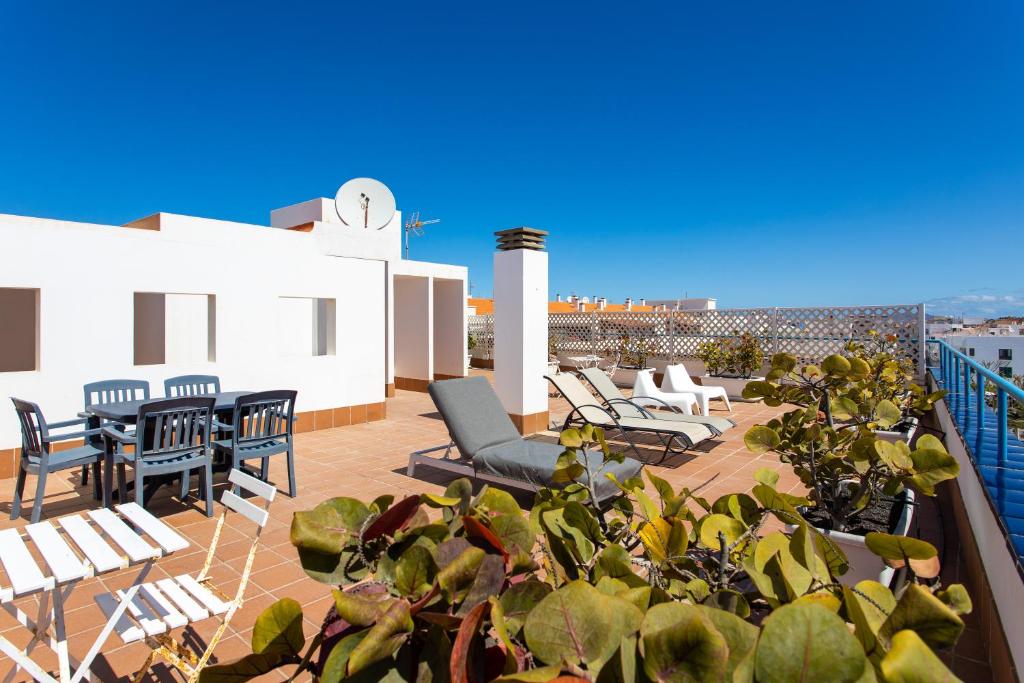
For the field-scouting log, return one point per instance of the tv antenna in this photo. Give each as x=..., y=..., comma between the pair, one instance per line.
x=414, y=225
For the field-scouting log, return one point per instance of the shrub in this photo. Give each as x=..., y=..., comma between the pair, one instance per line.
x=830, y=438
x=661, y=585
x=740, y=356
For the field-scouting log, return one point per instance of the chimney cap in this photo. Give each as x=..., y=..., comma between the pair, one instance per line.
x=521, y=238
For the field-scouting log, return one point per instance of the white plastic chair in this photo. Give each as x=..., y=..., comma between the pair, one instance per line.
x=678, y=379
x=644, y=389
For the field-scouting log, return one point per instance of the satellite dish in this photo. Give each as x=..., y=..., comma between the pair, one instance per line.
x=365, y=203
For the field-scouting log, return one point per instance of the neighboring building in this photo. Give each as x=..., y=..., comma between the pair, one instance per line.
x=309, y=304
x=692, y=304
x=572, y=304
x=1003, y=354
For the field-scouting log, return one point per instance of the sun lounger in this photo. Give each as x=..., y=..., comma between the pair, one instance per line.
x=612, y=397
x=676, y=436
x=490, y=448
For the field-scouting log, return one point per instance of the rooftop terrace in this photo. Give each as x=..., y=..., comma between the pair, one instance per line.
x=365, y=461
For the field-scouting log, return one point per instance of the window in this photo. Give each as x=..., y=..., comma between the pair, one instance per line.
x=19, y=329
x=1005, y=354
x=970, y=351
x=307, y=326
x=1006, y=372
x=174, y=328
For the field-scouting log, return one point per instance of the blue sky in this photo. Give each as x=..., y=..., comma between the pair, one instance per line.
x=782, y=153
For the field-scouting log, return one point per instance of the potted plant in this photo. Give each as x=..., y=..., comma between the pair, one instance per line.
x=632, y=353
x=885, y=396
x=470, y=345
x=661, y=586
x=857, y=482
x=731, y=363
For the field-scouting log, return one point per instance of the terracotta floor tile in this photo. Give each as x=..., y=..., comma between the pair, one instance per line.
x=362, y=461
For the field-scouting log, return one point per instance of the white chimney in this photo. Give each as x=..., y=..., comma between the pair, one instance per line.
x=558, y=298
x=629, y=304
x=602, y=303
x=643, y=302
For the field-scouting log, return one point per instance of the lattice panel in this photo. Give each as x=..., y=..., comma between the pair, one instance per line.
x=813, y=333
x=808, y=333
x=482, y=329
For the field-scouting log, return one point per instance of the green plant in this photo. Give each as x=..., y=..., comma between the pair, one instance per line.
x=470, y=341
x=552, y=346
x=740, y=356
x=662, y=585
x=633, y=351
x=830, y=440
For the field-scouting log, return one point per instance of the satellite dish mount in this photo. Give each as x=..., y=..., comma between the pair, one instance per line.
x=366, y=203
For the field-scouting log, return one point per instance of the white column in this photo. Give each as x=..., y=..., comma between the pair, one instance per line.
x=521, y=335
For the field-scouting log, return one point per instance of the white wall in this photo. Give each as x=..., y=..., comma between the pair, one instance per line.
x=414, y=327
x=86, y=310
x=449, y=327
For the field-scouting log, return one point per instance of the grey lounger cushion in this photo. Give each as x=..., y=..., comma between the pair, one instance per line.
x=533, y=462
x=485, y=435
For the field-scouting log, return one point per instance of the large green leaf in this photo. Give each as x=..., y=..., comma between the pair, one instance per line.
x=922, y=612
x=835, y=365
x=329, y=527
x=384, y=637
x=361, y=609
x=457, y=571
x=932, y=466
x=579, y=625
x=807, y=643
x=887, y=413
x=415, y=572
x=519, y=599
x=955, y=597
x=278, y=628
x=868, y=605
x=679, y=643
x=910, y=660
x=664, y=538
x=714, y=524
x=336, y=665
x=243, y=669
x=740, y=636
x=760, y=439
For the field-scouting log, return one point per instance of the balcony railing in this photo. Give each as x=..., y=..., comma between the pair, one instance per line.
x=979, y=402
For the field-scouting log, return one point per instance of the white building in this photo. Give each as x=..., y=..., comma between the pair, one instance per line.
x=1005, y=354
x=309, y=304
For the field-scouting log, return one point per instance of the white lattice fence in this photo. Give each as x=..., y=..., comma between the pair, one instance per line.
x=809, y=333
x=481, y=328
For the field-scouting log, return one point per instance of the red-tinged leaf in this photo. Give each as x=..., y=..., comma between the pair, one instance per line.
x=462, y=647
x=494, y=662
x=477, y=531
x=393, y=519
x=448, y=622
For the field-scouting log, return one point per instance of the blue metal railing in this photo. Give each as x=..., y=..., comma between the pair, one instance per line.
x=997, y=453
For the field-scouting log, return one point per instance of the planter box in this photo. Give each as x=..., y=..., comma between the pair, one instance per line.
x=906, y=436
x=864, y=564
x=625, y=377
x=733, y=385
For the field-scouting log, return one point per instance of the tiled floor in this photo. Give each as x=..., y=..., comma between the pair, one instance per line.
x=362, y=461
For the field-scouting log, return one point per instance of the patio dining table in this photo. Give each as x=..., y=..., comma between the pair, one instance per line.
x=127, y=412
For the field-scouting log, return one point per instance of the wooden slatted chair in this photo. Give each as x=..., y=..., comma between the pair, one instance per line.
x=163, y=606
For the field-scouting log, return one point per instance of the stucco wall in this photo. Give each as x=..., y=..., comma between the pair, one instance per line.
x=87, y=276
